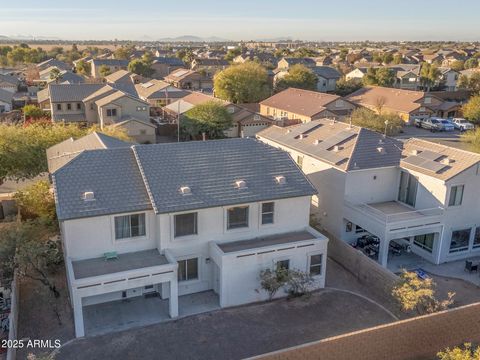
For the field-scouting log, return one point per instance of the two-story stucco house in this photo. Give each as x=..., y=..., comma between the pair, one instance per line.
x=183, y=218
x=420, y=194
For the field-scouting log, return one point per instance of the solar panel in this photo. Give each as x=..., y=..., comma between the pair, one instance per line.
x=430, y=155
x=336, y=139
x=330, y=157
x=424, y=164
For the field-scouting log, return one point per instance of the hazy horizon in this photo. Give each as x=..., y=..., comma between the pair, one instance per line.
x=307, y=20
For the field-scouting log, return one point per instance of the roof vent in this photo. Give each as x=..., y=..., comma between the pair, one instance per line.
x=416, y=152
x=280, y=180
x=185, y=190
x=316, y=142
x=240, y=184
x=301, y=136
x=336, y=148
x=446, y=161
x=381, y=150
x=88, y=196
x=288, y=131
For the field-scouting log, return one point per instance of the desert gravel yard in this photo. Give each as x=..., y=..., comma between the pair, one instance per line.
x=236, y=333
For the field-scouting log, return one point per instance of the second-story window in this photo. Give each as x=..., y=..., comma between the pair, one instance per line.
x=456, y=195
x=111, y=112
x=129, y=226
x=69, y=106
x=267, y=213
x=237, y=217
x=79, y=106
x=59, y=107
x=185, y=224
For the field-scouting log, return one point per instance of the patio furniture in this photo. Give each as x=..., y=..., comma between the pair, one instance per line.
x=112, y=255
x=470, y=267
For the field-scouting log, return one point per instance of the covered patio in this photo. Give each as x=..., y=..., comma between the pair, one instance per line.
x=141, y=311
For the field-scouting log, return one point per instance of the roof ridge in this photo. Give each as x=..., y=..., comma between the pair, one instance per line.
x=144, y=178
x=445, y=146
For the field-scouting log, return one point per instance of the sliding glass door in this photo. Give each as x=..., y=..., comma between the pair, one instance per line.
x=407, y=192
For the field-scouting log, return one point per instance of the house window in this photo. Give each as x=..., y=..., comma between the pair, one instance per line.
x=315, y=267
x=456, y=195
x=424, y=241
x=185, y=224
x=129, y=226
x=460, y=240
x=300, y=161
x=267, y=213
x=111, y=112
x=59, y=107
x=79, y=106
x=91, y=106
x=69, y=106
x=476, y=239
x=188, y=269
x=143, y=132
x=237, y=217
x=282, y=264
x=407, y=192
x=359, y=229
x=428, y=100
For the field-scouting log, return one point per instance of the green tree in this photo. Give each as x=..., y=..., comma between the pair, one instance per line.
x=123, y=52
x=56, y=75
x=385, y=77
x=471, y=63
x=233, y=53
x=390, y=123
x=104, y=70
x=271, y=281
x=211, y=118
x=413, y=293
x=346, y=87
x=33, y=112
x=298, y=76
x=471, y=83
x=472, y=140
x=458, y=65
x=370, y=78
x=186, y=55
x=467, y=352
x=36, y=201
x=83, y=67
x=397, y=59
x=471, y=110
x=140, y=67
x=429, y=75
x=243, y=83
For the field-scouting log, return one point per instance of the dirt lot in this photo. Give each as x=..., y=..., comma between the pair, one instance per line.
x=41, y=316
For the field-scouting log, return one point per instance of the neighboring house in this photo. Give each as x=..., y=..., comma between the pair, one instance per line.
x=261, y=57
x=100, y=104
x=448, y=79
x=327, y=78
x=9, y=83
x=407, y=104
x=66, y=77
x=113, y=65
x=433, y=58
x=142, y=131
x=6, y=99
x=189, y=80
x=287, y=63
x=62, y=153
x=246, y=123
x=159, y=93
x=357, y=73
x=183, y=218
x=163, y=66
x=52, y=63
x=209, y=66
x=418, y=193
x=305, y=105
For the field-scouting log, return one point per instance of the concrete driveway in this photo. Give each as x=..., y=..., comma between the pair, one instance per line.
x=236, y=333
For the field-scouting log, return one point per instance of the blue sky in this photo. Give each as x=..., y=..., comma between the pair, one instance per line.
x=244, y=19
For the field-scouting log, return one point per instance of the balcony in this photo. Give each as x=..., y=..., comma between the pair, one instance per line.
x=392, y=217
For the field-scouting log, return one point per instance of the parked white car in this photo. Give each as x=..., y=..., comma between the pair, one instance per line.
x=462, y=124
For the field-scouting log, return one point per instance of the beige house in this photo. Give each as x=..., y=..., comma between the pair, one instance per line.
x=305, y=105
x=408, y=104
x=113, y=65
x=209, y=66
x=189, y=80
x=143, y=132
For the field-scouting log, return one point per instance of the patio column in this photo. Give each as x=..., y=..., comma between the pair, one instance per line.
x=383, y=252
x=173, y=300
x=78, y=315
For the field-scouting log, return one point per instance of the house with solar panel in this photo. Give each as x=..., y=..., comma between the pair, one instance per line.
x=171, y=221
x=402, y=203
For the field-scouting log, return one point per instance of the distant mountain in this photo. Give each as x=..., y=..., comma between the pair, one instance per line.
x=277, y=39
x=192, y=38
x=3, y=37
x=28, y=37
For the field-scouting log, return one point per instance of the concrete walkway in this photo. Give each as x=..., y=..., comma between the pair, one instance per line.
x=139, y=311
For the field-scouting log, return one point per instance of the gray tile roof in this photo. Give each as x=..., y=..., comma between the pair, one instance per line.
x=150, y=176
x=110, y=62
x=211, y=168
x=171, y=61
x=326, y=72
x=6, y=96
x=71, y=92
x=113, y=176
